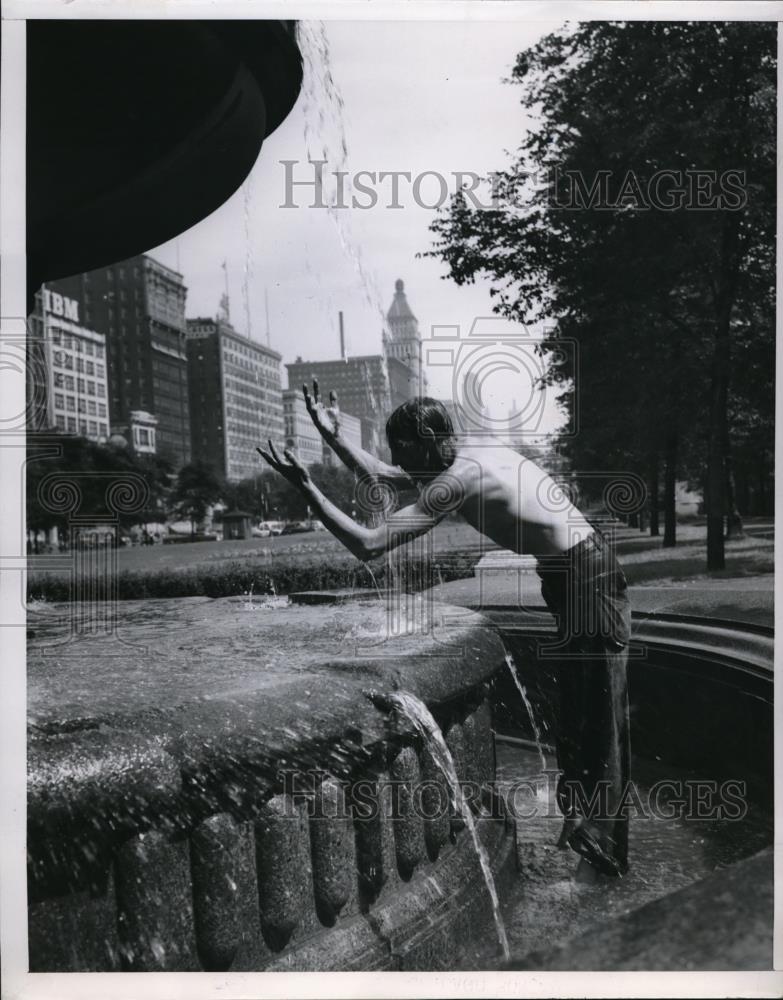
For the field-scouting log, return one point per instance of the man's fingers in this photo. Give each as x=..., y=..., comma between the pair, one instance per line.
x=308, y=401
x=274, y=454
x=333, y=398
x=266, y=456
x=315, y=390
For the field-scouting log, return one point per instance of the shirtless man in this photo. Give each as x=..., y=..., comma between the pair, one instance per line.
x=515, y=503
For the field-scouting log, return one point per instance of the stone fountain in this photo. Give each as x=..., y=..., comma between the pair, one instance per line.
x=211, y=786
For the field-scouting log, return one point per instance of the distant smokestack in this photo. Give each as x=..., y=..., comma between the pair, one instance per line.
x=342, y=337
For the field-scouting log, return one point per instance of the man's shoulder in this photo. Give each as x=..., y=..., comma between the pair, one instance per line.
x=489, y=451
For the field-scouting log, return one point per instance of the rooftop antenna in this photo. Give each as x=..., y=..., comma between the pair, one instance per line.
x=342, y=335
x=266, y=308
x=224, y=298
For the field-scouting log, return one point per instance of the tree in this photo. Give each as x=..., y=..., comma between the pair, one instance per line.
x=196, y=489
x=140, y=483
x=652, y=293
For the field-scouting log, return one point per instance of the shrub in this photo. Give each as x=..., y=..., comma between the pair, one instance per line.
x=282, y=574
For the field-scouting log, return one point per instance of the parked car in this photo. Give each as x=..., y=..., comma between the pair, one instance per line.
x=297, y=527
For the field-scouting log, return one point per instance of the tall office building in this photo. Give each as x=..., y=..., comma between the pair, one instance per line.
x=402, y=349
x=236, y=399
x=139, y=306
x=67, y=383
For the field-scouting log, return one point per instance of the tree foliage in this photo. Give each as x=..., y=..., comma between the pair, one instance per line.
x=637, y=219
x=74, y=477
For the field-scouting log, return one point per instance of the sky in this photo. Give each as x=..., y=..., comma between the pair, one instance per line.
x=415, y=96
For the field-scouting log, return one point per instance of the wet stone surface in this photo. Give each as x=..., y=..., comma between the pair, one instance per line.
x=159, y=763
x=166, y=654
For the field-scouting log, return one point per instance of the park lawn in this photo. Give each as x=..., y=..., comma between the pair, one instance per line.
x=282, y=565
x=450, y=536
x=316, y=561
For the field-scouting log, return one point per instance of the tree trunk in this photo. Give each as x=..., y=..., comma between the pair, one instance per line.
x=734, y=528
x=718, y=428
x=652, y=486
x=670, y=492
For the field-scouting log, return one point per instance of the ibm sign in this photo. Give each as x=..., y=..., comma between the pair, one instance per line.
x=59, y=305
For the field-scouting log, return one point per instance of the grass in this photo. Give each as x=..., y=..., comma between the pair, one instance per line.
x=318, y=562
x=285, y=564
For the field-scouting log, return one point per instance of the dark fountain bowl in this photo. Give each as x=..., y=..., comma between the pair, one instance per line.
x=136, y=130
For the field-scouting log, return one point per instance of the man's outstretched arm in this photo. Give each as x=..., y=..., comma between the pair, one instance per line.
x=327, y=421
x=365, y=543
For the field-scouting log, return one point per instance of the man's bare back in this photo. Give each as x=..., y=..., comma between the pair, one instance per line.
x=511, y=500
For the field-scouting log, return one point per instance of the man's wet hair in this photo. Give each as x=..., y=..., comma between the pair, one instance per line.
x=416, y=416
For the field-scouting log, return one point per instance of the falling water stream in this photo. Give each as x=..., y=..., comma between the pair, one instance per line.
x=325, y=138
x=531, y=715
x=417, y=712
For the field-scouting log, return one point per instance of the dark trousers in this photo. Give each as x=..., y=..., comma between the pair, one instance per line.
x=586, y=590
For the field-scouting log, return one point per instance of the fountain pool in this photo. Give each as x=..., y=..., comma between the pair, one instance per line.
x=234, y=785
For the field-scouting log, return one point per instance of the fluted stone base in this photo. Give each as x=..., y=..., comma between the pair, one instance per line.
x=211, y=788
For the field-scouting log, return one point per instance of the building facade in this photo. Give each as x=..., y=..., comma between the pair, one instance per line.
x=302, y=436
x=362, y=387
x=66, y=370
x=139, y=307
x=236, y=400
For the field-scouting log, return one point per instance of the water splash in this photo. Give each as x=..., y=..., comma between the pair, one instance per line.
x=417, y=712
x=526, y=701
x=247, y=269
x=374, y=581
x=325, y=136
x=248, y=605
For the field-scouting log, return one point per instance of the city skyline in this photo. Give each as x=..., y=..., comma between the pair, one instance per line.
x=309, y=265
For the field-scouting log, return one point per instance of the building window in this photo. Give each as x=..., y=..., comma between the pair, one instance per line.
x=90, y=367
x=93, y=427
x=79, y=365
x=91, y=409
x=101, y=409
x=82, y=426
x=72, y=424
x=82, y=406
x=59, y=401
x=104, y=430
x=69, y=383
x=60, y=422
x=70, y=403
x=88, y=349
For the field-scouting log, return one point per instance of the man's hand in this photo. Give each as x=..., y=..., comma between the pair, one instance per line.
x=326, y=420
x=290, y=467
